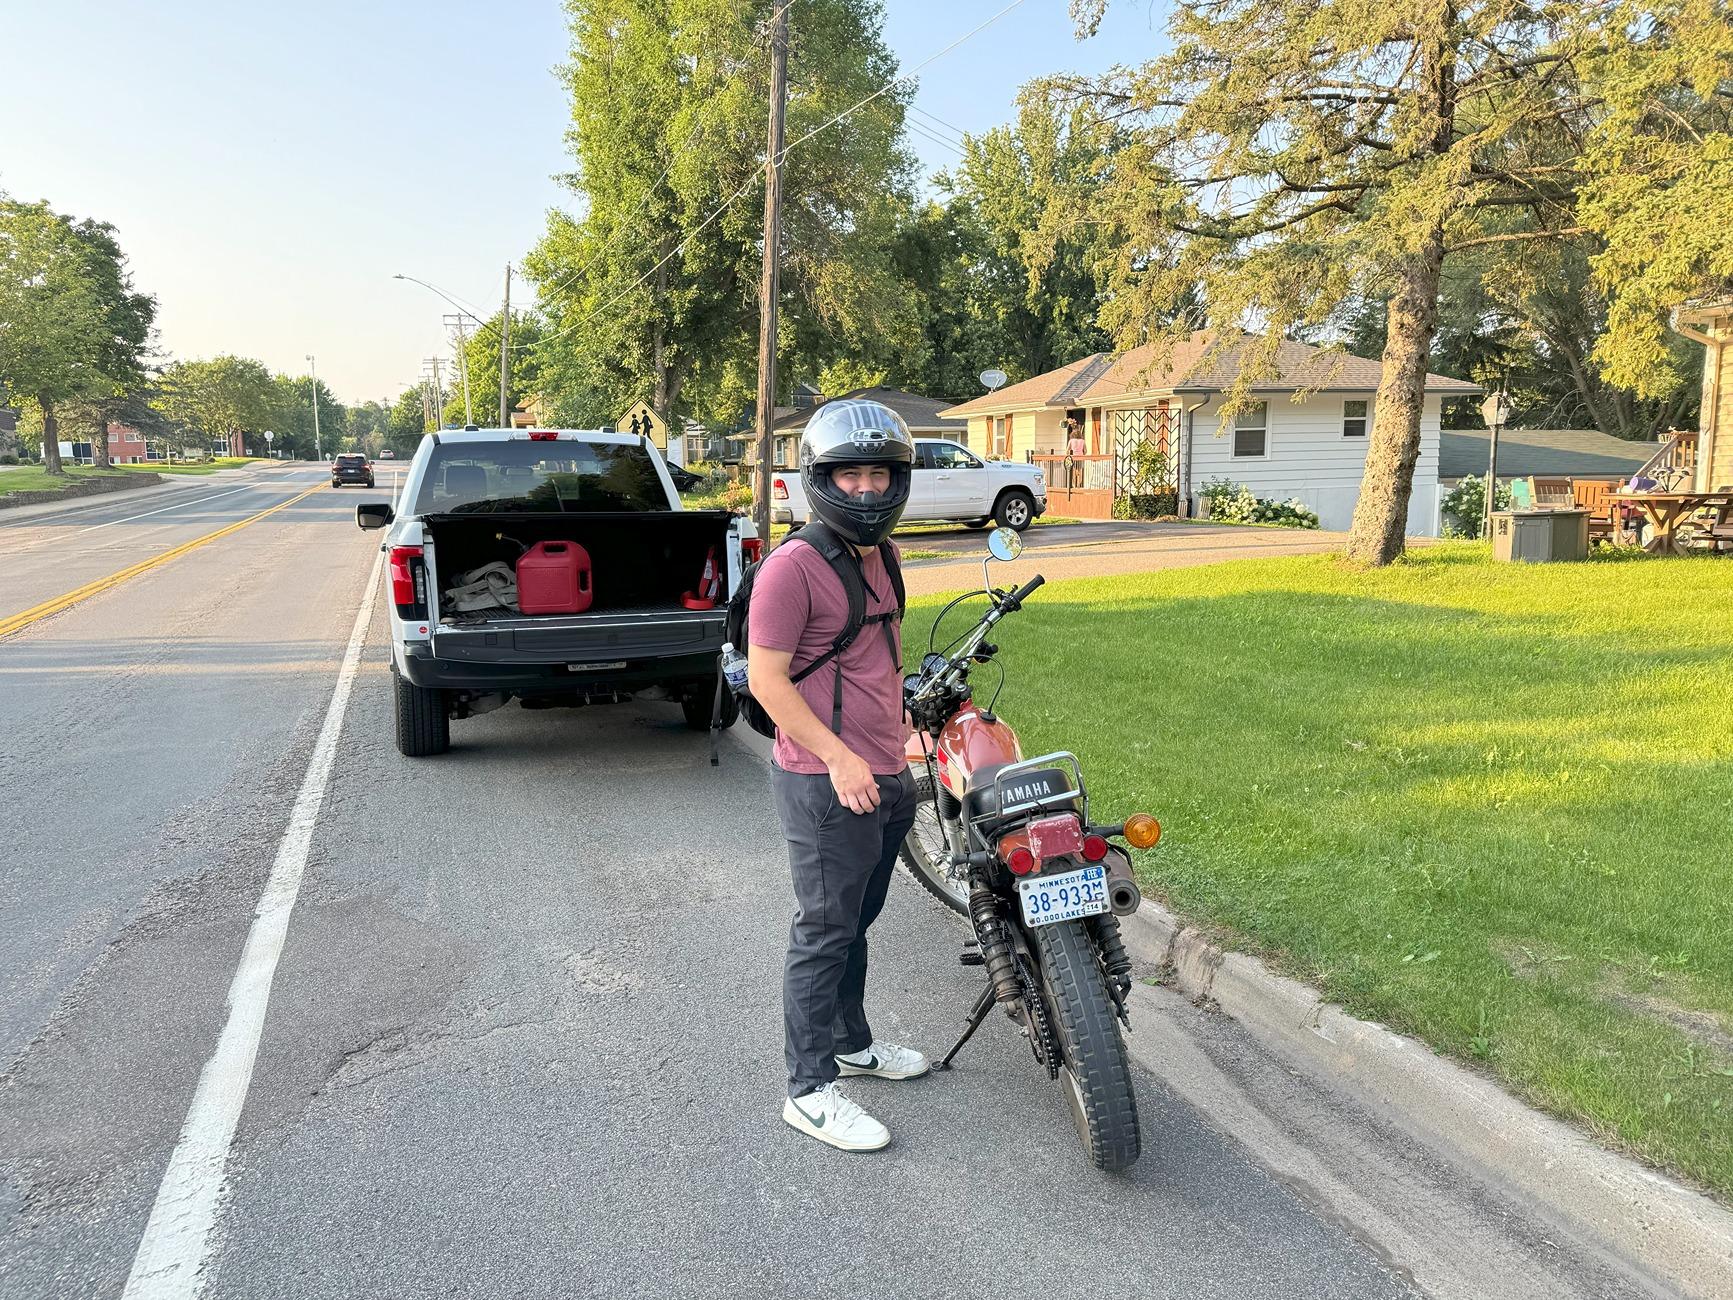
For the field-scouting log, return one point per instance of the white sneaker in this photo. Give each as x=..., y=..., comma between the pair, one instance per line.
x=885, y=1061
x=831, y=1117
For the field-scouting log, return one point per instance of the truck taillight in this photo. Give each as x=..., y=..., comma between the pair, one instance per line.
x=544, y=435
x=751, y=548
x=403, y=577
x=779, y=489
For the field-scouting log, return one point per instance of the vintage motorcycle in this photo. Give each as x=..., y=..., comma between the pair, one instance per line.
x=1008, y=842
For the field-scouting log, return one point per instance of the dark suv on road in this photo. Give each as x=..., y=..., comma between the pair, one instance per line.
x=350, y=468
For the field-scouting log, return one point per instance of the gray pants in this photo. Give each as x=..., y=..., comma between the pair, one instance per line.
x=841, y=863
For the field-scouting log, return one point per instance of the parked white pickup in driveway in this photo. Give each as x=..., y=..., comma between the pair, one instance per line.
x=950, y=483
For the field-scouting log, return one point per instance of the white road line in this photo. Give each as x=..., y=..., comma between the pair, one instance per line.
x=178, y=506
x=172, y=1253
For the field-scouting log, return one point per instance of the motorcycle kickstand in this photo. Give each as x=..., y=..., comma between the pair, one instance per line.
x=977, y=1014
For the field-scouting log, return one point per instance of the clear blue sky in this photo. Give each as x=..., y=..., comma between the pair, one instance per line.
x=268, y=167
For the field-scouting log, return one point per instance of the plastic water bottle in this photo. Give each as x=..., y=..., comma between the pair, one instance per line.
x=733, y=667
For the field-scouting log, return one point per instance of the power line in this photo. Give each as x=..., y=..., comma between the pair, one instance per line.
x=934, y=117
x=939, y=140
x=781, y=157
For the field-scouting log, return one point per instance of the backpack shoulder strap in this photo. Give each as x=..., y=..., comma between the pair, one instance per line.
x=893, y=566
x=847, y=570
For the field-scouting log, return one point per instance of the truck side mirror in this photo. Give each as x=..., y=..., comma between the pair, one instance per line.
x=374, y=514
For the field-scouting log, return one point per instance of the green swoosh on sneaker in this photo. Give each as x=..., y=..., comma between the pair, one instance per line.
x=871, y=1063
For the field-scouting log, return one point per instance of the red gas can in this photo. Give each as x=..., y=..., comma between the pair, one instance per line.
x=554, y=578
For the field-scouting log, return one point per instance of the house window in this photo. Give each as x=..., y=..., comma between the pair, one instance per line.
x=1002, y=437
x=1356, y=415
x=1251, y=430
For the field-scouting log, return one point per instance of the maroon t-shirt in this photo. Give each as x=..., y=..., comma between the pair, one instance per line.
x=799, y=605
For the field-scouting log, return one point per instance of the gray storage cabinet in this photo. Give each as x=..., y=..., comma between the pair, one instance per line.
x=1540, y=536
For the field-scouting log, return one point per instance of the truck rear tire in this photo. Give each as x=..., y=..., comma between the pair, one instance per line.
x=695, y=704
x=423, y=725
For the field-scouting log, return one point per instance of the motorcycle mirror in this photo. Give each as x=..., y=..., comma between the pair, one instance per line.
x=1005, y=544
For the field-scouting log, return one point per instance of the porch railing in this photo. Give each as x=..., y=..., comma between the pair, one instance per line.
x=1674, y=466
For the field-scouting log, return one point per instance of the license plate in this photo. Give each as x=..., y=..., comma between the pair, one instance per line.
x=1048, y=900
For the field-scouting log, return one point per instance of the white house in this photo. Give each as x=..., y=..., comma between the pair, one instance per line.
x=1305, y=436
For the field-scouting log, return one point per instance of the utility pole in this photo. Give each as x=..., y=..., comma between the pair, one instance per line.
x=318, y=451
x=505, y=351
x=426, y=407
x=457, y=323
x=432, y=368
x=770, y=282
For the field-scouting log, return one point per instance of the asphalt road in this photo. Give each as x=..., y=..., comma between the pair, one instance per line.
x=524, y=1037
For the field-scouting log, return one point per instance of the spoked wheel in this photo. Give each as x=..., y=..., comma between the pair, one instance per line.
x=926, y=853
x=1094, y=1074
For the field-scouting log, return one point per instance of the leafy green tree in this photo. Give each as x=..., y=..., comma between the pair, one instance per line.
x=1291, y=158
x=71, y=327
x=408, y=423
x=213, y=399
x=652, y=292
x=523, y=379
x=290, y=417
x=1030, y=189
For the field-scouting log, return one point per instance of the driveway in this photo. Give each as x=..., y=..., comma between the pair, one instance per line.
x=1097, y=550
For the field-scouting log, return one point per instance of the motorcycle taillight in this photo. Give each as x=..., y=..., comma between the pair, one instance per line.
x=1021, y=861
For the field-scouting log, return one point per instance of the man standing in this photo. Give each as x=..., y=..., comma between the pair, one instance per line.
x=843, y=790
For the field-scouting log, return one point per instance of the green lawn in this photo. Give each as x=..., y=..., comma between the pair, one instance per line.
x=1488, y=805
x=196, y=466
x=33, y=478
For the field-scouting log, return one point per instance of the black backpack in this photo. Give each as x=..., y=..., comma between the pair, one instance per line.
x=847, y=567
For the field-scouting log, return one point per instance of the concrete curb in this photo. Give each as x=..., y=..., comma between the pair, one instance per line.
x=1646, y=1221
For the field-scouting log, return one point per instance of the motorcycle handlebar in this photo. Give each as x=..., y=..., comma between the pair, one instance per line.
x=1016, y=598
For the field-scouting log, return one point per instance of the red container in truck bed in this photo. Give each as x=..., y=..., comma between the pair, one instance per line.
x=554, y=578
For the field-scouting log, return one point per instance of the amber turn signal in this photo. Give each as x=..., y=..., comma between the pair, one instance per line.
x=1141, y=830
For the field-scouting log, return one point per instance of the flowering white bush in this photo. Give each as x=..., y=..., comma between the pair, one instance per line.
x=1234, y=503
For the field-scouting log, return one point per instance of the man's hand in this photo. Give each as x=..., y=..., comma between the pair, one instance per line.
x=856, y=787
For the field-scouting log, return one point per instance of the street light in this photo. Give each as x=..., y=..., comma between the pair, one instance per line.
x=1494, y=411
x=462, y=341
x=318, y=451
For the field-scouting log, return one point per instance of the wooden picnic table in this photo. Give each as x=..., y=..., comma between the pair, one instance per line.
x=1666, y=511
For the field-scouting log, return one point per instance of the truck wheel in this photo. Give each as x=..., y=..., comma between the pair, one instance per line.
x=1016, y=509
x=423, y=726
x=976, y=523
x=696, y=706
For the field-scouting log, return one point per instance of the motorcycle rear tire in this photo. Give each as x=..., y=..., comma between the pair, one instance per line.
x=1095, y=1075
x=927, y=870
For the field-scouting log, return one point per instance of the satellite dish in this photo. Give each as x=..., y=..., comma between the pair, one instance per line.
x=993, y=379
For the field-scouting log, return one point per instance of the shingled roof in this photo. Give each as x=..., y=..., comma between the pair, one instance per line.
x=1203, y=363
x=920, y=413
x=1560, y=453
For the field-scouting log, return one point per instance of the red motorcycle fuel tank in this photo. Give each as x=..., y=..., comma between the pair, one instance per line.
x=969, y=743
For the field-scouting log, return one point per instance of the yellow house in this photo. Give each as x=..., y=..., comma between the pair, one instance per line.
x=1711, y=324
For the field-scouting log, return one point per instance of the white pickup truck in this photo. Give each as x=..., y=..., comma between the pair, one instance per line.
x=949, y=483
x=484, y=497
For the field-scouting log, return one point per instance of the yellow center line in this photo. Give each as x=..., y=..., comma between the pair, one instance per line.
x=17, y=622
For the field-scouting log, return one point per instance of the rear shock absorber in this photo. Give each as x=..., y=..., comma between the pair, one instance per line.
x=989, y=919
x=1115, y=961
